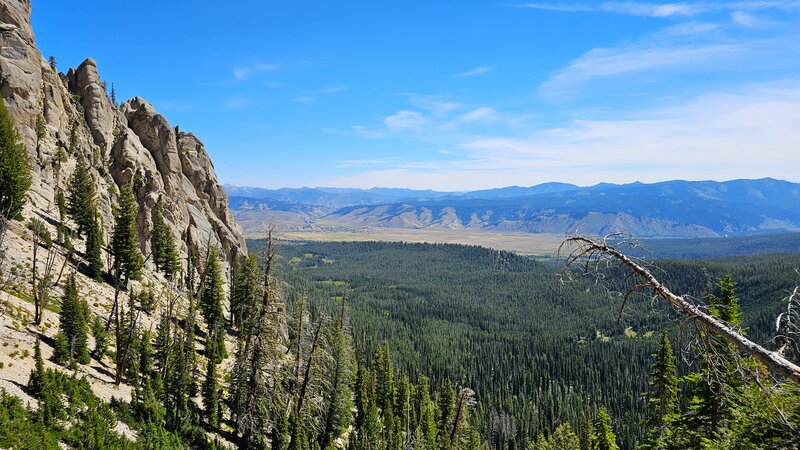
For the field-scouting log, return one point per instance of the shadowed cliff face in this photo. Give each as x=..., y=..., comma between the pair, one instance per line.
x=129, y=143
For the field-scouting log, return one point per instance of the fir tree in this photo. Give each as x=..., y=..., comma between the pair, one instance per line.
x=113, y=96
x=211, y=307
x=41, y=130
x=100, y=338
x=162, y=246
x=15, y=173
x=73, y=322
x=663, y=394
x=128, y=259
x=36, y=381
x=94, y=248
x=211, y=394
x=604, y=437
x=337, y=392
x=446, y=402
x=81, y=196
x=245, y=288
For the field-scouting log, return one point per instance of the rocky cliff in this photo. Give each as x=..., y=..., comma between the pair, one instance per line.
x=127, y=143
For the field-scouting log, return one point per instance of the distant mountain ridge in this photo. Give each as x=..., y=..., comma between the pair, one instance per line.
x=667, y=209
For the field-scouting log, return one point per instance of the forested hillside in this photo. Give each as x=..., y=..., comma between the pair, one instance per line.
x=536, y=351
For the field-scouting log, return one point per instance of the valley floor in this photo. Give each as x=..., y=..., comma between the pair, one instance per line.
x=521, y=243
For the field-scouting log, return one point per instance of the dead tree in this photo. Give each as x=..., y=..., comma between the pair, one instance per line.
x=589, y=253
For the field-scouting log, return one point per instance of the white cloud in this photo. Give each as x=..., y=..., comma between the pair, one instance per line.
x=657, y=10
x=607, y=62
x=368, y=132
x=476, y=71
x=248, y=71
x=479, y=114
x=406, y=120
x=435, y=104
x=751, y=132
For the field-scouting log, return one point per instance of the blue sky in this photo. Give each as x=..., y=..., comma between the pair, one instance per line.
x=455, y=95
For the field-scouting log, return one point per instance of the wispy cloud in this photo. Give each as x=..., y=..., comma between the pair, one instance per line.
x=406, y=120
x=435, y=104
x=745, y=133
x=244, y=72
x=368, y=132
x=633, y=8
x=476, y=71
x=303, y=99
x=608, y=62
x=480, y=114
x=332, y=89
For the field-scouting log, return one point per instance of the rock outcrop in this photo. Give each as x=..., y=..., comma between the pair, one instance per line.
x=128, y=143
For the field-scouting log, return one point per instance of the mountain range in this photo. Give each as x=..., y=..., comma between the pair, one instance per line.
x=667, y=209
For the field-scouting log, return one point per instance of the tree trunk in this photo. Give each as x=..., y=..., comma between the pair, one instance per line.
x=773, y=360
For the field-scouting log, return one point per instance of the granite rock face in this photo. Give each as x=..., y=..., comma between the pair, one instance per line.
x=127, y=143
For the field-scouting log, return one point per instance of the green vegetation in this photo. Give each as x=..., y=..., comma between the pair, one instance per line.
x=81, y=197
x=537, y=352
x=162, y=245
x=15, y=176
x=128, y=259
x=73, y=326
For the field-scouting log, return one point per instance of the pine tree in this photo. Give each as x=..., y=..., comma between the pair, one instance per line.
x=604, y=437
x=36, y=381
x=113, y=96
x=81, y=196
x=128, y=259
x=251, y=392
x=245, y=288
x=52, y=62
x=211, y=394
x=427, y=412
x=446, y=402
x=337, y=392
x=717, y=386
x=73, y=322
x=15, y=173
x=663, y=394
x=100, y=338
x=94, y=248
x=162, y=245
x=41, y=130
x=211, y=307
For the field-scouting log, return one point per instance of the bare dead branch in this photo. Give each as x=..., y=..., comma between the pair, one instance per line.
x=599, y=253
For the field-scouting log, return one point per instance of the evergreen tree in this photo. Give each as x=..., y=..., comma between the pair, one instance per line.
x=41, y=130
x=81, y=196
x=113, y=96
x=211, y=307
x=663, y=394
x=52, y=62
x=245, y=288
x=36, y=381
x=211, y=394
x=162, y=245
x=73, y=321
x=15, y=173
x=251, y=393
x=426, y=411
x=100, y=338
x=604, y=437
x=446, y=403
x=337, y=392
x=94, y=247
x=128, y=259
